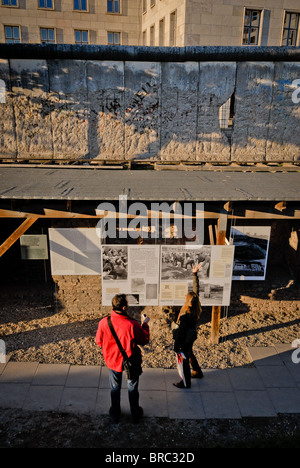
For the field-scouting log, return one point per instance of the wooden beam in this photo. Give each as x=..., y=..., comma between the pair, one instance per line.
x=211, y=235
x=66, y=214
x=216, y=310
x=50, y=214
x=16, y=234
x=18, y=214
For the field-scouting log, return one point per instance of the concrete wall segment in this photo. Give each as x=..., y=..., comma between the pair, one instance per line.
x=69, y=109
x=30, y=97
x=66, y=108
x=284, y=121
x=253, y=101
x=216, y=85
x=8, y=143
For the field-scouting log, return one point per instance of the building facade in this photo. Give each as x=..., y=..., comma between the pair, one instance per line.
x=152, y=22
x=70, y=21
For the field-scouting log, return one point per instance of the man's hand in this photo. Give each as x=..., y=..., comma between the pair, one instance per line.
x=145, y=319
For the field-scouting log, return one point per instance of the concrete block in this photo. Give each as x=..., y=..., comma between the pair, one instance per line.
x=185, y=405
x=253, y=100
x=142, y=109
x=214, y=380
x=285, y=400
x=83, y=376
x=12, y=395
x=69, y=111
x=216, y=85
x=8, y=143
x=51, y=374
x=154, y=403
x=105, y=82
x=255, y=403
x=32, y=109
x=78, y=400
x=19, y=372
x=179, y=111
x=264, y=355
x=276, y=376
x=152, y=379
x=243, y=378
x=284, y=118
x=43, y=398
x=220, y=405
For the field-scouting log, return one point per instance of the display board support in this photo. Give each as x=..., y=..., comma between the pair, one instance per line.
x=216, y=310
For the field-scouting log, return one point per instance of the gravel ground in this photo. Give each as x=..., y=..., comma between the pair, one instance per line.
x=33, y=331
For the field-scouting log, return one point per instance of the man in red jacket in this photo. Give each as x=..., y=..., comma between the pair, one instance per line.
x=130, y=334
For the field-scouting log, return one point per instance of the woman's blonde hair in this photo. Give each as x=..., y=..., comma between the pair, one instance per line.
x=191, y=306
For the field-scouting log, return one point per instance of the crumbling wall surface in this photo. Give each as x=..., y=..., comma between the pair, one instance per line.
x=134, y=110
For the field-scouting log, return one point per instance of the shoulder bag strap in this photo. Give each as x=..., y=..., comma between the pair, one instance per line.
x=116, y=338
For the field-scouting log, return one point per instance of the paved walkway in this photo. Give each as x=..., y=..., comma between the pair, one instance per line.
x=270, y=387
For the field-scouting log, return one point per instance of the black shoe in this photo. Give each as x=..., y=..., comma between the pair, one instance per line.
x=140, y=413
x=115, y=416
x=181, y=385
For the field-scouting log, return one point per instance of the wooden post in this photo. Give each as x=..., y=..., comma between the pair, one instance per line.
x=216, y=310
x=16, y=234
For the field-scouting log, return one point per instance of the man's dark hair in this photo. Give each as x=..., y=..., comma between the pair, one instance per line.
x=119, y=301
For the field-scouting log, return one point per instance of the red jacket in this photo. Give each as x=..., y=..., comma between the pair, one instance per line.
x=130, y=334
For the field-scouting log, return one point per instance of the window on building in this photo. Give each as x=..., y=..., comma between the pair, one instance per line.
x=113, y=38
x=290, y=29
x=173, y=25
x=144, y=6
x=81, y=37
x=11, y=3
x=47, y=35
x=144, y=38
x=162, y=32
x=12, y=34
x=113, y=6
x=252, y=23
x=152, y=32
x=152, y=3
x=80, y=5
x=46, y=4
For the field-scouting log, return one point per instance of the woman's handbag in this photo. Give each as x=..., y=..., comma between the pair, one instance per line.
x=179, y=361
x=132, y=365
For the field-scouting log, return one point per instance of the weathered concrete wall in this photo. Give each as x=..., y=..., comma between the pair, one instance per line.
x=126, y=110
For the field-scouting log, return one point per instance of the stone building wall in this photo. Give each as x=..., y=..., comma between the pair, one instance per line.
x=64, y=20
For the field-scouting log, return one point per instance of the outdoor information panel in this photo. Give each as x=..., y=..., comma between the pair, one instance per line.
x=162, y=275
x=34, y=247
x=152, y=275
x=75, y=251
x=251, y=251
x=176, y=276
x=132, y=270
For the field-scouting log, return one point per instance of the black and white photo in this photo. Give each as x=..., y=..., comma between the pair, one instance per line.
x=251, y=252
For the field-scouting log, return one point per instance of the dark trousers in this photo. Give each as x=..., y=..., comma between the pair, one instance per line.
x=115, y=379
x=190, y=360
